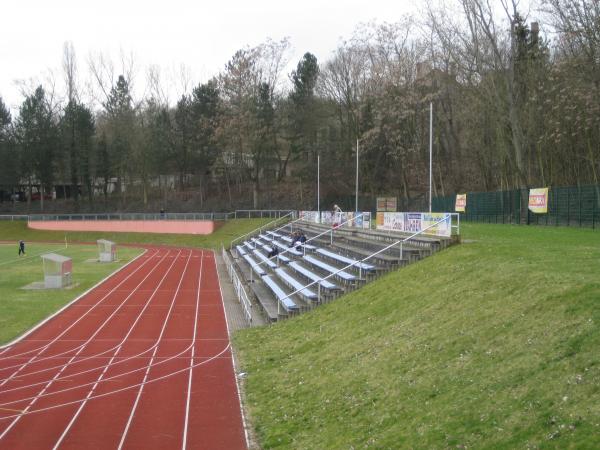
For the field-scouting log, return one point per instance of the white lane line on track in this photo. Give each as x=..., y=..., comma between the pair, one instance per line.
x=91, y=391
x=237, y=386
x=45, y=347
x=42, y=392
x=69, y=378
x=76, y=299
x=117, y=391
x=139, y=394
x=189, y=386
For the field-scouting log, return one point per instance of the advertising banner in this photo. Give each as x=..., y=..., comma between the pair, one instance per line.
x=538, y=200
x=331, y=218
x=393, y=221
x=310, y=216
x=387, y=204
x=415, y=222
x=440, y=229
x=461, y=203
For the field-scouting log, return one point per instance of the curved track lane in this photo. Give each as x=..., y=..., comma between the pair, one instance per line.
x=141, y=361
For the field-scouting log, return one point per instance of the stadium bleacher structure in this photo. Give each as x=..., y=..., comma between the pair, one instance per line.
x=327, y=266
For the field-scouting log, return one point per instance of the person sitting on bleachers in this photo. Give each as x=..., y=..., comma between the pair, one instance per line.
x=294, y=238
x=301, y=239
x=274, y=252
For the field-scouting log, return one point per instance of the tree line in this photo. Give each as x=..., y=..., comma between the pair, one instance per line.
x=515, y=105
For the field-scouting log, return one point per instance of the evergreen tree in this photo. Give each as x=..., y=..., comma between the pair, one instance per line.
x=9, y=174
x=38, y=140
x=120, y=131
x=77, y=130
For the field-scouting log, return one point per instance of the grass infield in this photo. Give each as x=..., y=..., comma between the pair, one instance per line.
x=20, y=309
x=490, y=344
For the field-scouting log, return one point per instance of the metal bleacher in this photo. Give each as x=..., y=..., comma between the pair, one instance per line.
x=340, y=260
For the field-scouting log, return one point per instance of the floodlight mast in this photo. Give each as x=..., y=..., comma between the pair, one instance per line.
x=430, y=150
x=319, y=185
x=356, y=193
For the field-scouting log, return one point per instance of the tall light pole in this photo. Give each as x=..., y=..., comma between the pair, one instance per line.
x=430, y=149
x=319, y=185
x=356, y=193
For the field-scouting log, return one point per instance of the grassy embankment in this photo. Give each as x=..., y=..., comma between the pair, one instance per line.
x=490, y=344
x=21, y=309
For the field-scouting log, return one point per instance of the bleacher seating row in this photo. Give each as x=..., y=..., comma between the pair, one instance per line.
x=304, y=275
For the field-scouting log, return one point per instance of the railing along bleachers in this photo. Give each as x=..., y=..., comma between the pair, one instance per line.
x=313, y=276
x=399, y=242
x=346, y=260
x=239, y=288
x=344, y=276
x=254, y=265
x=295, y=284
x=266, y=260
x=320, y=267
x=283, y=298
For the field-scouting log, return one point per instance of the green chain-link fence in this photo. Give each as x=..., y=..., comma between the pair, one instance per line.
x=570, y=206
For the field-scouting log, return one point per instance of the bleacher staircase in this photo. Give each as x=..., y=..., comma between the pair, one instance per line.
x=334, y=261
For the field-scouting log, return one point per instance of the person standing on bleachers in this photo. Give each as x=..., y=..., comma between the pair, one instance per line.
x=337, y=216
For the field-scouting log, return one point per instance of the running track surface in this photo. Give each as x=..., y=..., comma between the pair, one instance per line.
x=142, y=361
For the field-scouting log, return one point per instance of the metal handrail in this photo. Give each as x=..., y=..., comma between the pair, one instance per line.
x=261, y=211
x=401, y=241
x=259, y=229
x=308, y=240
x=238, y=286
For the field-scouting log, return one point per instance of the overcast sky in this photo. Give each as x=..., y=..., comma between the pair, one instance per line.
x=168, y=33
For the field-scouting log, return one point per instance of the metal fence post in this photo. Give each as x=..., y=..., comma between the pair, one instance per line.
x=594, y=208
x=579, y=194
x=568, y=207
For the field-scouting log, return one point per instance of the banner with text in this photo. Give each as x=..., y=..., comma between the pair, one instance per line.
x=538, y=200
x=360, y=220
x=461, y=203
x=309, y=216
x=415, y=222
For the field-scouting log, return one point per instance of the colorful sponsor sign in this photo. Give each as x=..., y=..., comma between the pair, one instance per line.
x=310, y=216
x=393, y=221
x=415, y=222
x=461, y=203
x=538, y=200
x=387, y=204
x=333, y=218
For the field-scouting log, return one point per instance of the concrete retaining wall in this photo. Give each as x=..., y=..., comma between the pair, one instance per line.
x=129, y=226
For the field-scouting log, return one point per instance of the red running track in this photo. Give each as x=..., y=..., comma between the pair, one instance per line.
x=141, y=361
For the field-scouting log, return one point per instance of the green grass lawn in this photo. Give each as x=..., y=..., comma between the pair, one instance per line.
x=224, y=234
x=20, y=309
x=494, y=343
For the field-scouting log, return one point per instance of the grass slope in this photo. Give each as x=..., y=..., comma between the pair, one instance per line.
x=490, y=344
x=20, y=309
x=229, y=230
